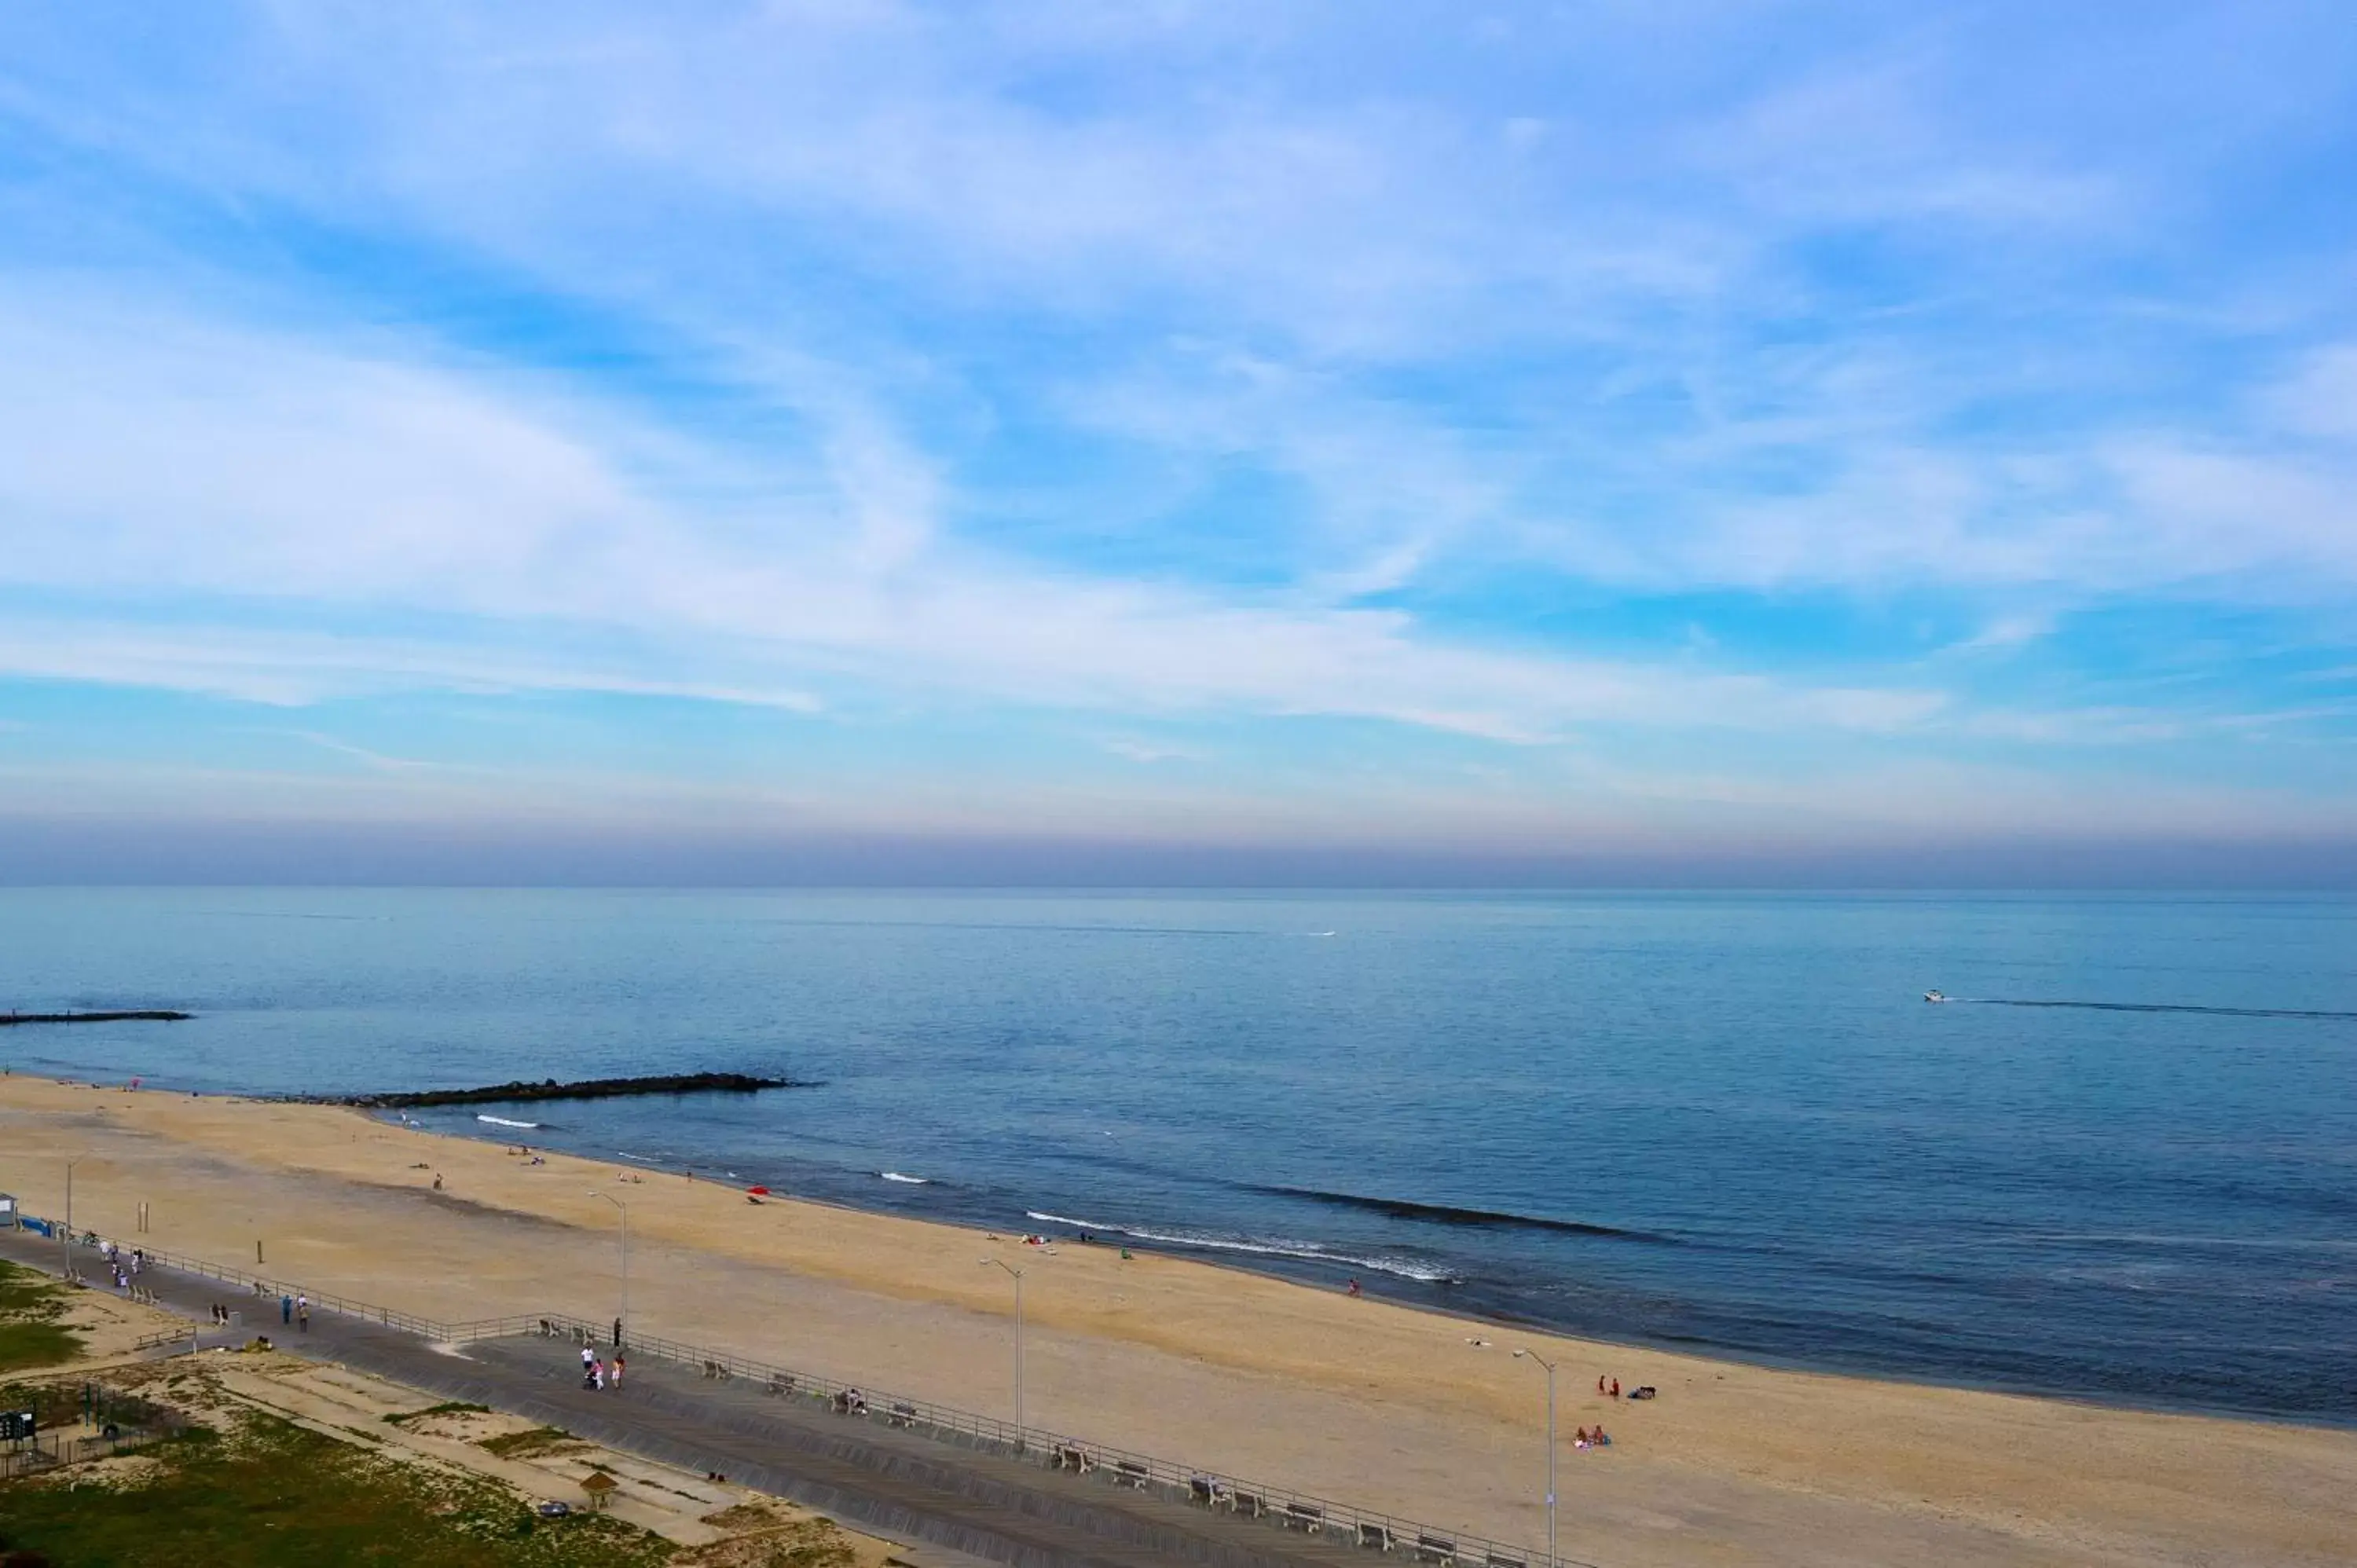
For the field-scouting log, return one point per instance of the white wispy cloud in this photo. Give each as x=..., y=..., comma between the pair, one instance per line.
x=202, y=460
x=1171, y=362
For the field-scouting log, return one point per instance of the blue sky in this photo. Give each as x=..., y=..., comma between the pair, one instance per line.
x=1673, y=440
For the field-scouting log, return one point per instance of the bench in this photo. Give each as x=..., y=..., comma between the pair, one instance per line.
x=780, y=1384
x=1204, y=1490
x=1302, y=1517
x=1065, y=1456
x=902, y=1415
x=1375, y=1537
x=1436, y=1549
x=1130, y=1472
x=1499, y=1559
x=1248, y=1504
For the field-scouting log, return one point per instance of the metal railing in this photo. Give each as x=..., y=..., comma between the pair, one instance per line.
x=270, y=1289
x=1278, y=1506
x=49, y=1450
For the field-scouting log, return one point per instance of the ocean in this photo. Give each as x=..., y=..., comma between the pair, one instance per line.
x=1727, y=1123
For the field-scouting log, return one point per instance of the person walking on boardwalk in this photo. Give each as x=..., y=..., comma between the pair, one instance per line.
x=617, y=1369
x=285, y=1309
x=618, y=1333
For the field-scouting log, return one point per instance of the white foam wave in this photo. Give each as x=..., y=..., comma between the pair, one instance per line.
x=1423, y=1273
x=912, y=1180
x=503, y=1122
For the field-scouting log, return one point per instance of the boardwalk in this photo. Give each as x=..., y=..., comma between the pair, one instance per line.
x=897, y=1483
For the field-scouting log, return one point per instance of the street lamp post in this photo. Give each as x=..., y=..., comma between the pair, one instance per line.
x=1017, y=1275
x=65, y=1252
x=625, y=1207
x=1553, y=1557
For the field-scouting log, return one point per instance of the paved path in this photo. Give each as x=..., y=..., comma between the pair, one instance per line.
x=898, y=1483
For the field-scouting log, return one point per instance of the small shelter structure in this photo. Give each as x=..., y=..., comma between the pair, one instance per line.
x=600, y=1487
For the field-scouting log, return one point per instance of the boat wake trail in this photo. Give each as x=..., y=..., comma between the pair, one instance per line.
x=2152, y=1007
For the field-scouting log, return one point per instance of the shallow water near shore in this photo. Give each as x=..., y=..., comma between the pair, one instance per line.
x=1724, y=1123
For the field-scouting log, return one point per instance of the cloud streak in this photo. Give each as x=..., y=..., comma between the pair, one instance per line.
x=1347, y=395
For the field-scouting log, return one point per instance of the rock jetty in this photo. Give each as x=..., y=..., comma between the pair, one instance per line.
x=549, y=1088
x=144, y=1016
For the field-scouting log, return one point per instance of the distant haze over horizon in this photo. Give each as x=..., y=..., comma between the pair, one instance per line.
x=1791, y=445
x=120, y=855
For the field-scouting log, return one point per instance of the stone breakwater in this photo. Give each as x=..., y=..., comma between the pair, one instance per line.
x=151, y=1014
x=550, y=1088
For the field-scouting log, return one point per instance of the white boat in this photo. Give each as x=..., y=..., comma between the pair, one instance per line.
x=1935, y=996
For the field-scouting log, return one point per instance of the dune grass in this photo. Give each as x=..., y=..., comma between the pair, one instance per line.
x=264, y=1493
x=30, y=1334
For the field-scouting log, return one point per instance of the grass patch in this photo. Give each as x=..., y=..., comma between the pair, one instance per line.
x=798, y=1543
x=526, y=1444
x=30, y=1334
x=448, y=1407
x=28, y=1345
x=264, y=1493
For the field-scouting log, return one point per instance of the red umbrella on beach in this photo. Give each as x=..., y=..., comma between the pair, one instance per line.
x=757, y=1191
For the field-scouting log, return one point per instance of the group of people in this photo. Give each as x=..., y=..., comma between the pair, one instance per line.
x=597, y=1374
x=1585, y=1438
x=297, y=1310
x=125, y=1266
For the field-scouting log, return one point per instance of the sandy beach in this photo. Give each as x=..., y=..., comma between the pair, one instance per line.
x=1354, y=1399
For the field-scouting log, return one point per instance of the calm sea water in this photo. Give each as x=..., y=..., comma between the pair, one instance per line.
x=1724, y=1122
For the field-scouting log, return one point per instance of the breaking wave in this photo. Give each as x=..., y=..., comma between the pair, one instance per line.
x=1309, y=1252
x=1451, y=1214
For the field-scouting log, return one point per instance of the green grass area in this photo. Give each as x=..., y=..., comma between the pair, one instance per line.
x=525, y=1445
x=447, y=1407
x=31, y=1336
x=264, y=1493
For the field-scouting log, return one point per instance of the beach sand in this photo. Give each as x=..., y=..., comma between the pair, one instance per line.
x=1357, y=1400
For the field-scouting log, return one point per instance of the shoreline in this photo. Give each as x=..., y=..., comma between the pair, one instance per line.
x=1696, y=1349
x=1308, y=1275
x=1365, y=1400
x=1302, y=1278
